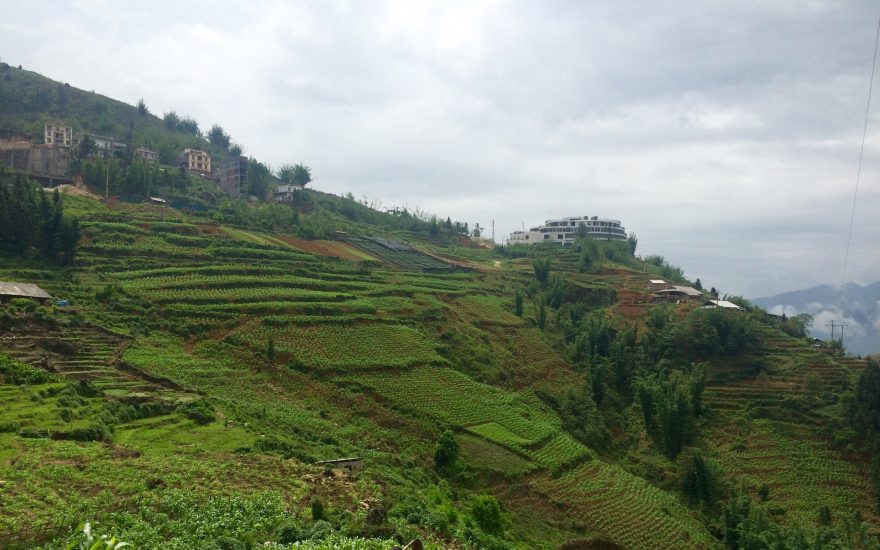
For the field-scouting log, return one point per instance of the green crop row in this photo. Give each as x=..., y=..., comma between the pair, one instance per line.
x=357, y=346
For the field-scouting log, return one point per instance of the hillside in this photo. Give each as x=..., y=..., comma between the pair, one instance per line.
x=854, y=305
x=196, y=369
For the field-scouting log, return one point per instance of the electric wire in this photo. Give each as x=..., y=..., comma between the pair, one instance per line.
x=852, y=215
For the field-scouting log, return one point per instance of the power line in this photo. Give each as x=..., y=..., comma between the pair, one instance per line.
x=861, y=155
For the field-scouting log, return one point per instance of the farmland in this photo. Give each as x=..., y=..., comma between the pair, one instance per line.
x=203, y=369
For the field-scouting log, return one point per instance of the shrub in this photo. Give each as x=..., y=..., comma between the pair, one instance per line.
x=486, y=512
x=318, y=511
x=446, y=451
x=199, y=412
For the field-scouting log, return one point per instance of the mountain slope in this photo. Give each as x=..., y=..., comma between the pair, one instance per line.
x=855, y=305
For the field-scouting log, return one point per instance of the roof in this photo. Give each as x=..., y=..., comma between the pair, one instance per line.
x=725, y=304
x=340, y=460
x=24, y=290
x=686, y=290
x=657, y=281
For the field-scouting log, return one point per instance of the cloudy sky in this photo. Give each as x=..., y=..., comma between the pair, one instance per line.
x=724, y=134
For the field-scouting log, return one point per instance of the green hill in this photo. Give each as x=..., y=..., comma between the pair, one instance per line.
x=209, y=363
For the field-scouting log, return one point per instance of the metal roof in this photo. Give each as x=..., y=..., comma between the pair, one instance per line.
x=682, y=290
x=24, y=290
x=725, y=304
x=657, y=281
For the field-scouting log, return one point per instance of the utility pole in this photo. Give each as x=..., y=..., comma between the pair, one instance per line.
x=493, y=231
x=107, y=184
x=841, y=325
x=832, y=325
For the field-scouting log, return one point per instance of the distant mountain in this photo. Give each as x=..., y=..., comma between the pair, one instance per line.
x=856, y=306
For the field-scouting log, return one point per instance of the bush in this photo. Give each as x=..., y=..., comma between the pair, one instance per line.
x=486, y=512
x=318, y=511
x=16, y=372
x=446, y=451
x=199, y=412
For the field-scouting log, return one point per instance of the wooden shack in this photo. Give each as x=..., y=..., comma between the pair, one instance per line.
x=10, y=291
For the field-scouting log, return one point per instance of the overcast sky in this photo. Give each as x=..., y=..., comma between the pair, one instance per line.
x=726, y=135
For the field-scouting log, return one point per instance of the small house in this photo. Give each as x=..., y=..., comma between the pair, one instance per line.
x=657, y=284
x=285, y=192
x=10, y=291
x=678, y=293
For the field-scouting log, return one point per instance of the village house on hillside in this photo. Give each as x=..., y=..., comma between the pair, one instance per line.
x=9, y=291
x=284, y=192
x=194, y=160
x=146, y=155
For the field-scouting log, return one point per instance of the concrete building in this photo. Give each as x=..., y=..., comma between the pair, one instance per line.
x=103, y=145
x=232, y=177
x=147, y=155
x=565, y=231
x=45, y=162
x=284, y=192
x=195, y=161
x=58, y=134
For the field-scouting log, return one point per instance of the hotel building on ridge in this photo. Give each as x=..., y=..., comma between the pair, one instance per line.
x=565, y=231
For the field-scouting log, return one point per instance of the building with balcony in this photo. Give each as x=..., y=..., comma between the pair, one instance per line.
x=565, y=231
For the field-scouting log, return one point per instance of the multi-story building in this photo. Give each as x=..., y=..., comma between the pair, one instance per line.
x=195, y=161
x=147, y=155
x=565, y=231
x=232, y=176
x=58, y=134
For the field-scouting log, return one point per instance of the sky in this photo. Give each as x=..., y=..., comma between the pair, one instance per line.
x=725, y=135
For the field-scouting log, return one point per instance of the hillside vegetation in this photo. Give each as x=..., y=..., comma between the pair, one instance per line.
x=206, y=364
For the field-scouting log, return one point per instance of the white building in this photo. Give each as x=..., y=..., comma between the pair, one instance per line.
x=58, y=134
x=285, y=192
x=565, y=231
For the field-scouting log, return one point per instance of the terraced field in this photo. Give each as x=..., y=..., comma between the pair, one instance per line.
x=625, y=508
x=764, y=431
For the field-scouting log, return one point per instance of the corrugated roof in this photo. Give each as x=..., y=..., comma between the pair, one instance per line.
x=725, y=304
x=682, y=290
x=657, y=281
x=24, y=290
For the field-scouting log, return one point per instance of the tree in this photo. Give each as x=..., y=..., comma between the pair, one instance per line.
x=285, y=173
x=218, y=137
x=299, y=174
x=542, y=269
x=236, y=150
x=142, y=107
x=518, y=303
x=486, y=511
x=171, y=120
x=698, y=285
x=446, y=451
x=302, y=174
